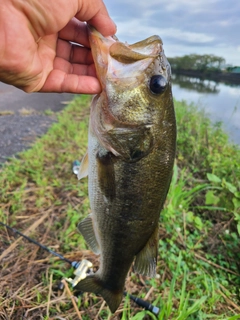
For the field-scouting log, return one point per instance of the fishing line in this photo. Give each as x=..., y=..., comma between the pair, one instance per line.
x=37, y=243
x=76, y=265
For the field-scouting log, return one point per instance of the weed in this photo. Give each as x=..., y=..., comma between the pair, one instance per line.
x=26, y=111
x=48, y=112
x=198, y=268
x=6, y=113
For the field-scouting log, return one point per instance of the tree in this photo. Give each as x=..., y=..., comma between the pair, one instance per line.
x=202, y=63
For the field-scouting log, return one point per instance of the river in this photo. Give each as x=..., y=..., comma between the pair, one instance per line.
x=220, y=101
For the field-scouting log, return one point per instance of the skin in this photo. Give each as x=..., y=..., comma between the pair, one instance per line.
x=35, y=52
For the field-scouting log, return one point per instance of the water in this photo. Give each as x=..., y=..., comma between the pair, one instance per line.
x=220, y=101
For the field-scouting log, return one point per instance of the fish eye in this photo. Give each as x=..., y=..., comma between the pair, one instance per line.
x=158, y=84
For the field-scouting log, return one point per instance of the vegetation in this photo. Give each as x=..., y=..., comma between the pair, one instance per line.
x=233, y=69
x=199, y=256
x=197, y=62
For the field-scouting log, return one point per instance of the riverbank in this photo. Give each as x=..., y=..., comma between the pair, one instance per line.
x=198, y=268
x=226, y=77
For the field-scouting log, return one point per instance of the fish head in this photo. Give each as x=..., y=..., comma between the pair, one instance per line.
x=135, y=78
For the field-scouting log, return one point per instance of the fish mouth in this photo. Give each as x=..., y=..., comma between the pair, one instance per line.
x=100, y=51
x=114, y=59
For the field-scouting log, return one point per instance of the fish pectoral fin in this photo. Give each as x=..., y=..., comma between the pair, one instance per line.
x=132, y=144
x=83, y=170
x=93, y=284
x=146, y=259
x=86, y=229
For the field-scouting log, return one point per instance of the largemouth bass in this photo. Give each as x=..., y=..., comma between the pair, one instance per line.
x=131, y=150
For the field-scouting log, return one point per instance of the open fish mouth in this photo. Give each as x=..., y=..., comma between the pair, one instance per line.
x=114, y=59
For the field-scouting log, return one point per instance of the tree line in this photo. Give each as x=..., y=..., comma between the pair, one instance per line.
x=197, y=62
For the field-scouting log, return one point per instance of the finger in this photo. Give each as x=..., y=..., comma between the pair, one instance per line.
x=74, y=68
x=95, y=13
x=81, y=55
x=105, y=27
x=73, y=53
x=75, y=31
x=59, y=81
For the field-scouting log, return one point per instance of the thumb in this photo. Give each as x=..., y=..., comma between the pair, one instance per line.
x=95, y=13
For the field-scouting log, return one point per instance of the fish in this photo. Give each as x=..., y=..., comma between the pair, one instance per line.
x=129, y=162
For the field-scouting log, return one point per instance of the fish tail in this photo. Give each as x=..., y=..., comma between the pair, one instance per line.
x=93, y=283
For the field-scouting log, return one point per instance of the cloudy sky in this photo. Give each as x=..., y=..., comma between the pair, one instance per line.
x=186, y=26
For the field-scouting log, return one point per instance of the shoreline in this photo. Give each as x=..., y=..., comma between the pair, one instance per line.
x=227, y=77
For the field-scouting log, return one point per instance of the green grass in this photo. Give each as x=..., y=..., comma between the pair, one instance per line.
x=198, y=268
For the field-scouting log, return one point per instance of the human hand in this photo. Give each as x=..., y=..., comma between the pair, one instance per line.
x=36, y=53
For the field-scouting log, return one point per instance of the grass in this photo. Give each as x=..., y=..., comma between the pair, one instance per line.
x=198, y=268
x=26, y=111
x=6, y=113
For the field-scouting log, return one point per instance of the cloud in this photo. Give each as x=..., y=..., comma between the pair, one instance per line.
x=189, y=26
x=187, y=36
x=179, y=35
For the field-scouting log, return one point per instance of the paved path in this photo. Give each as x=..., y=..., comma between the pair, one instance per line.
x=23, y=117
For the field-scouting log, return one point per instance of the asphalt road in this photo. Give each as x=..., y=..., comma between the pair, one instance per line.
x=24, y=117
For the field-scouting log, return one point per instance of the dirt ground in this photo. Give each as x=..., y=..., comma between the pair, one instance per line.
x=24, y=117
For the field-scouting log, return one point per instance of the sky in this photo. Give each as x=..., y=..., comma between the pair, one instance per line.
x=185, y=26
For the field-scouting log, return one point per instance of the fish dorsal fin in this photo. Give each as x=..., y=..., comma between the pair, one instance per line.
x=86, y=229
x=146, y=259
x=83, y=170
